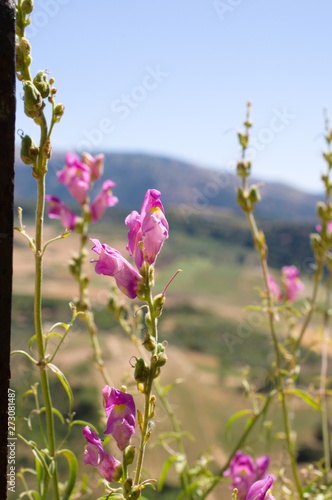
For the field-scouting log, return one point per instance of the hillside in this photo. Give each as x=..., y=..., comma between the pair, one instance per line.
x=189, y=188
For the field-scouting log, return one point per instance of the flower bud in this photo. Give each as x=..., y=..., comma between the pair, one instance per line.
x=158, y=304
x=59, y=110
x=243, y=200
x=254, y=194
x=129, y=455
x=321, y=210
x=33, y=102
x=317, y=245
x=27, y=7
x=29, y=150
x=142, y=371
x=41, y=83
x=243, y=168
x=243, y=139
x=23, y=57
x=328, y=157
x=149, y=343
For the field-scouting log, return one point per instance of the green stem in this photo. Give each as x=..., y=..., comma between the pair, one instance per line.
x=148, y=390
x=83, y=301
x=279, y=379
x=240, y=443
x=323, y=379
x=317, y=280
x=50, y=431
x=184, y=475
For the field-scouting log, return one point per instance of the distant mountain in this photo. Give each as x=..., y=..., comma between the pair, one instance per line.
x=189, y=188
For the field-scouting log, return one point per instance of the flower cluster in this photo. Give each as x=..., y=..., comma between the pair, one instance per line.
x=120, y=410
x=249, y=477
x=291, y=284
x=147, y=233
x=78, y=176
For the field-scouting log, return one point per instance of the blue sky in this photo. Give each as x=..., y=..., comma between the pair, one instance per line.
x=172, y=77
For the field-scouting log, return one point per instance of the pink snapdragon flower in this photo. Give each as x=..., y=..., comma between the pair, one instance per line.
x=95, y=164
x=292, y=286
x=121, y=411
x=328, y=228
x=112, y=263
x=58, y=210
x=147, y=230
x=260, y=490
x=76, y=176
x=244, y=472
x=94, y=454
x=103, y=200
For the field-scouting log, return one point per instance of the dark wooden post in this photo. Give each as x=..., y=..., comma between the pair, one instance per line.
x=7, y=151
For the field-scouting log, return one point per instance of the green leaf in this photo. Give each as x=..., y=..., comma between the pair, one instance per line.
x=28, y=494
x=32, y=340
x=83, y=423
x=167, y=465
x=306, y=398
x=73, y=468
x=236, y=416
x=27, y=355
x=64, y=383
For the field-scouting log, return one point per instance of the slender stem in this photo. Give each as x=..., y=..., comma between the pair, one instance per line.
x=279, y=380
x=83, y=301
x=317, y=280
x=240, y=443
x=50, y=431
x=184, y=475
x=148, y=390
x=323, y=380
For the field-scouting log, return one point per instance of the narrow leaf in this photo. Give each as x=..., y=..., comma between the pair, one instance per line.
x=64, y=383
x=236, y=416
x=73, y=467
x=306, y=398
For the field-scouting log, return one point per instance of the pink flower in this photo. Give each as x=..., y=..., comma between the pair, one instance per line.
x=244, y=472
x=147, y=230
x=95, y=164
x=121, y=411
x=94, y=454
x=260, y=490
x=292, y=285
x=274, y=288
x=292, y=282
x=112, y=263
x=76, y=176
x=103, y=200
x=59, y=210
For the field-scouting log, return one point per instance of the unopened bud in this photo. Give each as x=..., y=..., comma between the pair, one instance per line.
x=23, y=57
x=29, y=150
x=158, y=304
x=59, y=110
x=254, y=194
x=243, y=168
x=129, y=455
x=328, y=157
x=243, y=200
x=41, y=83
x=243, y=139
x=142, y=371
x=27, y=7
x=33, y=102
x=149, y=343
